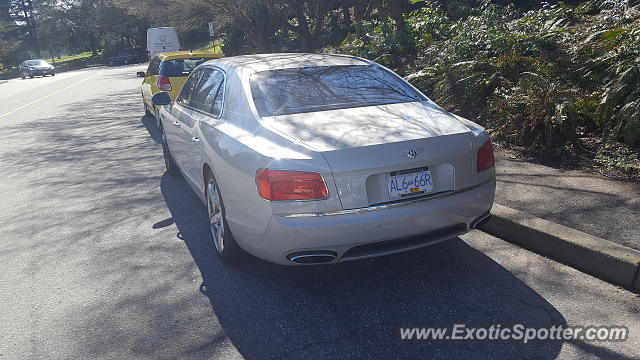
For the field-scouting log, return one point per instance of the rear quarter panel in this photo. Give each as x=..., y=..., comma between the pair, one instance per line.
x=236, y=145
x=147, y=86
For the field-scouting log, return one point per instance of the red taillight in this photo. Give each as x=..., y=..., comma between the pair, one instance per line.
x=485, y=156
x=290, y=185
x=163, y=83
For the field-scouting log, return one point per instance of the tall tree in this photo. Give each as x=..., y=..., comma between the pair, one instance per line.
x=22, y=12
x=10, y=36
x=259, y=20
x=310, y=16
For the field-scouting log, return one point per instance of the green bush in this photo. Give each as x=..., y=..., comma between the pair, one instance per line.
x=377, y=39
x=540, y=79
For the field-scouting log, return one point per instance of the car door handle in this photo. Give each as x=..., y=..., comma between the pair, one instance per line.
x=176, y=123
x=195, y=140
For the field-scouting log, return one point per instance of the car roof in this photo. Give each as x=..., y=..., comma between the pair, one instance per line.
x=263, y=62
x=171, y=55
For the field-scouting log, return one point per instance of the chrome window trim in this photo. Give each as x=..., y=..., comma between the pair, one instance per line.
x=384, y=206
x=223, y=87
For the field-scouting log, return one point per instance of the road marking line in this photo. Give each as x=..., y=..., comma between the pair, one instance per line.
x=46, y=96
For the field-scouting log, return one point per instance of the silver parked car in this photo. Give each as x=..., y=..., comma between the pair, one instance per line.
x=315, y=158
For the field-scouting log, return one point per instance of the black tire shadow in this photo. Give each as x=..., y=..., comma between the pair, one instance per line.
x=356, y=309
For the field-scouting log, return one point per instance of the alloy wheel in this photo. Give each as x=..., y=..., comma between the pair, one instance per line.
x=216, y=216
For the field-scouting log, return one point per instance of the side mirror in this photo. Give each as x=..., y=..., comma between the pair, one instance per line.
x=141, y=74
x=161, y=98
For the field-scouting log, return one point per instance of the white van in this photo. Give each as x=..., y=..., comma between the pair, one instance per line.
x=162, y=39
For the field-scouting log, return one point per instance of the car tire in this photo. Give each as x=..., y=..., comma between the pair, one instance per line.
x=53, y=74
x=31, y=76
x=223, y=242
x=169, y=164
x=23, y=77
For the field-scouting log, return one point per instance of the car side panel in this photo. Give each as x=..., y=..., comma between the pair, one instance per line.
x=179, y=147
x=190, y=158
x=234, y=155
x=166, y=114
x=235, y=146
x=147, y=86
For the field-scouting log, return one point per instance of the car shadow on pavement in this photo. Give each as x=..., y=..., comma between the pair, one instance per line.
x=356, y=309
x=82, y=232
x=149, y=123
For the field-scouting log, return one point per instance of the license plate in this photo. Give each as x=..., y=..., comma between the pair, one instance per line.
x=409, y=183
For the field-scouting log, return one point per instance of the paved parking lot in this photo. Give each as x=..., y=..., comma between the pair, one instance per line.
x=103, y=255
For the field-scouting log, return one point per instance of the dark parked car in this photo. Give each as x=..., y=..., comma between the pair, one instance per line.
x=36, y=67
x=128, y=57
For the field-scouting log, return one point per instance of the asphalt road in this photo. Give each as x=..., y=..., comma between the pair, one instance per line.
x=103, y=255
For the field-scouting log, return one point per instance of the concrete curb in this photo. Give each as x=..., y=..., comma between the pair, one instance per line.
x=602, y=258
x=3, y=81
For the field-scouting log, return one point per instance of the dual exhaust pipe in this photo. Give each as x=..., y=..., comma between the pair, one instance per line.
x=323, y=256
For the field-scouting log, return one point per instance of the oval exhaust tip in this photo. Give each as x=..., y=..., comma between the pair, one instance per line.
x=480, y=221
x=312, y=257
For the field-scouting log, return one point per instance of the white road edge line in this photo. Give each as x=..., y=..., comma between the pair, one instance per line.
x=46, y=96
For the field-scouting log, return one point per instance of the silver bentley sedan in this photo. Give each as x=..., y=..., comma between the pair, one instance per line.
x=317, y=158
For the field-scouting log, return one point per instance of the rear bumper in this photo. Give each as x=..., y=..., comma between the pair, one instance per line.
x=361, y=234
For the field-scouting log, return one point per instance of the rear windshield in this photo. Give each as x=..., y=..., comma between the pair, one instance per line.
x=320, y=88
x=180, y=67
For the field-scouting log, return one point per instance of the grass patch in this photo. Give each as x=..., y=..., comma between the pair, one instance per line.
x=216, y=47
x=66, y=58
x=78, y=61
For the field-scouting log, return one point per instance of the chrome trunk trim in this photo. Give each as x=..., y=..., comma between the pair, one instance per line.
x=388, y=205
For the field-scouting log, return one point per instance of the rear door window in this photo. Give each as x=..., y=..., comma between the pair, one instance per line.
x=208, y=96
x=189, y=87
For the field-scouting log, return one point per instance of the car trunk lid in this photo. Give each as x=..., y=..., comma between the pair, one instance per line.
x=365, y=147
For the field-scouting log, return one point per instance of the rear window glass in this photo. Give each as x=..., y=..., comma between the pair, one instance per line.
x=180, y=67
x=320, y=88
